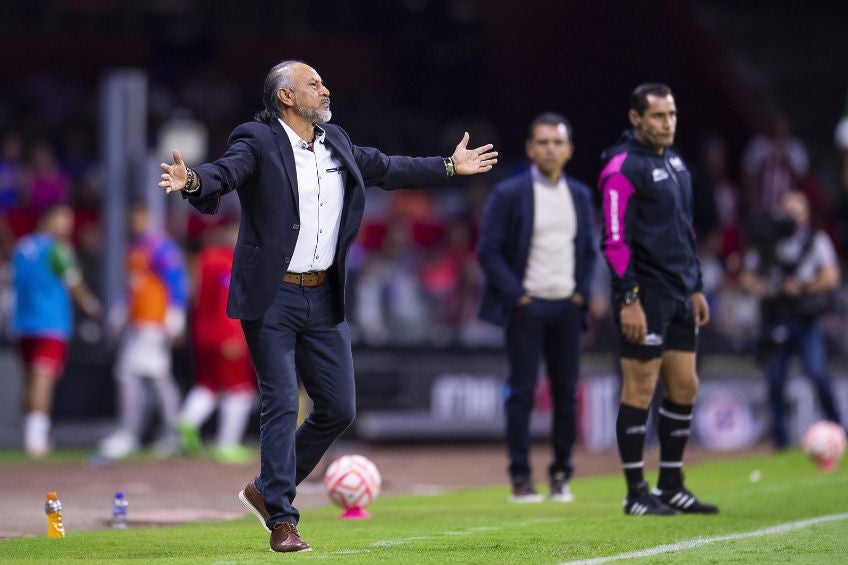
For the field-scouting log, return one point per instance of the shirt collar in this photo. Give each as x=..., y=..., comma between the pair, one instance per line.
x=543, y=180
x=296, y=140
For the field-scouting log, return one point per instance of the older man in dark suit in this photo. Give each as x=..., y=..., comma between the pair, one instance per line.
x=537, y=249
x=301, y=183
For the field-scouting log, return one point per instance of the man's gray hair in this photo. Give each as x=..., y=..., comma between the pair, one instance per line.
x=278, y=77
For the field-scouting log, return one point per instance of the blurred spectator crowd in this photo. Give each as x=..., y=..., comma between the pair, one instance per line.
x=415, y=279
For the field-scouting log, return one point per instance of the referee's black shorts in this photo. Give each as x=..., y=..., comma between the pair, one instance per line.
x=671, y=325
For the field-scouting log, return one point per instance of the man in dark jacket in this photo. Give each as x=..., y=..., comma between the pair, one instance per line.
x=649, y=245
x=301, y=184
x=537, y=250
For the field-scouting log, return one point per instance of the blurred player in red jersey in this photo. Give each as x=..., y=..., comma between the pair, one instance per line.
x=225, y=374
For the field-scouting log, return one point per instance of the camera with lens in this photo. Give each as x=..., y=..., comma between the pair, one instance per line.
x=765, y=232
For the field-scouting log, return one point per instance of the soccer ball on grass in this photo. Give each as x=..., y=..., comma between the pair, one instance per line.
x=824, y=443
x=353, y=482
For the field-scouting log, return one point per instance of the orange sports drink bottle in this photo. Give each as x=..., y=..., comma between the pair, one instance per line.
x=53, y=509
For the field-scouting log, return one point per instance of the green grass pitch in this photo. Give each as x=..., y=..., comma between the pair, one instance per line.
x=480, y=526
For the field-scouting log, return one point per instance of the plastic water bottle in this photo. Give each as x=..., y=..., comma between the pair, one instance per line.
x=119, y=511
x=53, y=509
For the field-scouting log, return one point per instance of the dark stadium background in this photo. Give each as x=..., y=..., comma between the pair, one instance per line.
x=410, y=76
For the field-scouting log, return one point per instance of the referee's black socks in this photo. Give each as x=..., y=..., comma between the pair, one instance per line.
x=675, y=421
x=630, y=430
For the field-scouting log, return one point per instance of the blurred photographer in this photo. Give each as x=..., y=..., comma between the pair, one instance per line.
x=794, y=270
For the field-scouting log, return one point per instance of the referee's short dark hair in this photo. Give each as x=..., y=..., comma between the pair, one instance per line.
x=549, y=119
x=639, y=96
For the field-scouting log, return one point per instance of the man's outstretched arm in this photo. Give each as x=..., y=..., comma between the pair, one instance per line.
x=396, y=171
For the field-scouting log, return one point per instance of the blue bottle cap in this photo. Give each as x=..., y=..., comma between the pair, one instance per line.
x=119, y=494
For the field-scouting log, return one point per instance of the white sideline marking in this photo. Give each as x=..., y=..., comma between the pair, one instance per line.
x=384, y=543
x=698, y=542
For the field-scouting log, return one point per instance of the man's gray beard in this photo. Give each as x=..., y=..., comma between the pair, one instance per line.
x=314, y=116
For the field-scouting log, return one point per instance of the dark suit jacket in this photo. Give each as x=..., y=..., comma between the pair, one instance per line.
x=504, y=245
x=259, y=164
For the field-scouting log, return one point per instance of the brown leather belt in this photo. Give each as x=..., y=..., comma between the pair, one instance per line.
x=306, y=279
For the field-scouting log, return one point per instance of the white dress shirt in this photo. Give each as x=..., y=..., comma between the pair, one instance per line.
x=550, y=265
x=320, y=186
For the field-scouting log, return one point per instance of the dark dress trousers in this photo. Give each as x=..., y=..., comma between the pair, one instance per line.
x=549, y=328
x=291, y=329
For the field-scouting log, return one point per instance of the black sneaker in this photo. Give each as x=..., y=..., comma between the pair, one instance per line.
x=640, y=502
x=684, y=501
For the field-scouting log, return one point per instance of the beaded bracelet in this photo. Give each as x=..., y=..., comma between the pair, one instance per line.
x=191, y=181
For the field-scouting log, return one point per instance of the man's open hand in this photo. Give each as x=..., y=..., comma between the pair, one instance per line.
x=472, y=161
x=175, y=176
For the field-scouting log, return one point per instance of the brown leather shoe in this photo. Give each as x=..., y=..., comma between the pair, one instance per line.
x=251, y=498
x=523, y=491
x=285, y=538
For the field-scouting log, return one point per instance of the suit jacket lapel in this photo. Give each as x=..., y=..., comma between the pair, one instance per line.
x=342, y=150
x=526, y=212
x=354, y=194
x=287, y=153
x=579, y=216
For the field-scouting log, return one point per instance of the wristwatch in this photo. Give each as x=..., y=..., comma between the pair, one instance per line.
x=450, y=168
x=630, y=296
x=191, y=184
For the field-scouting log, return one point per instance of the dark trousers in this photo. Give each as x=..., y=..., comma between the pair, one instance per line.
x=550, y=328
x=298, y=335
x=804, y=337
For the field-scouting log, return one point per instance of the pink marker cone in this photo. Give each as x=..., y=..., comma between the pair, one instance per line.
x=827, y=465
x=355, y=513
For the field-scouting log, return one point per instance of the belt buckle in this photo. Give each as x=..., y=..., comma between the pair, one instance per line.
x=301, y=279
